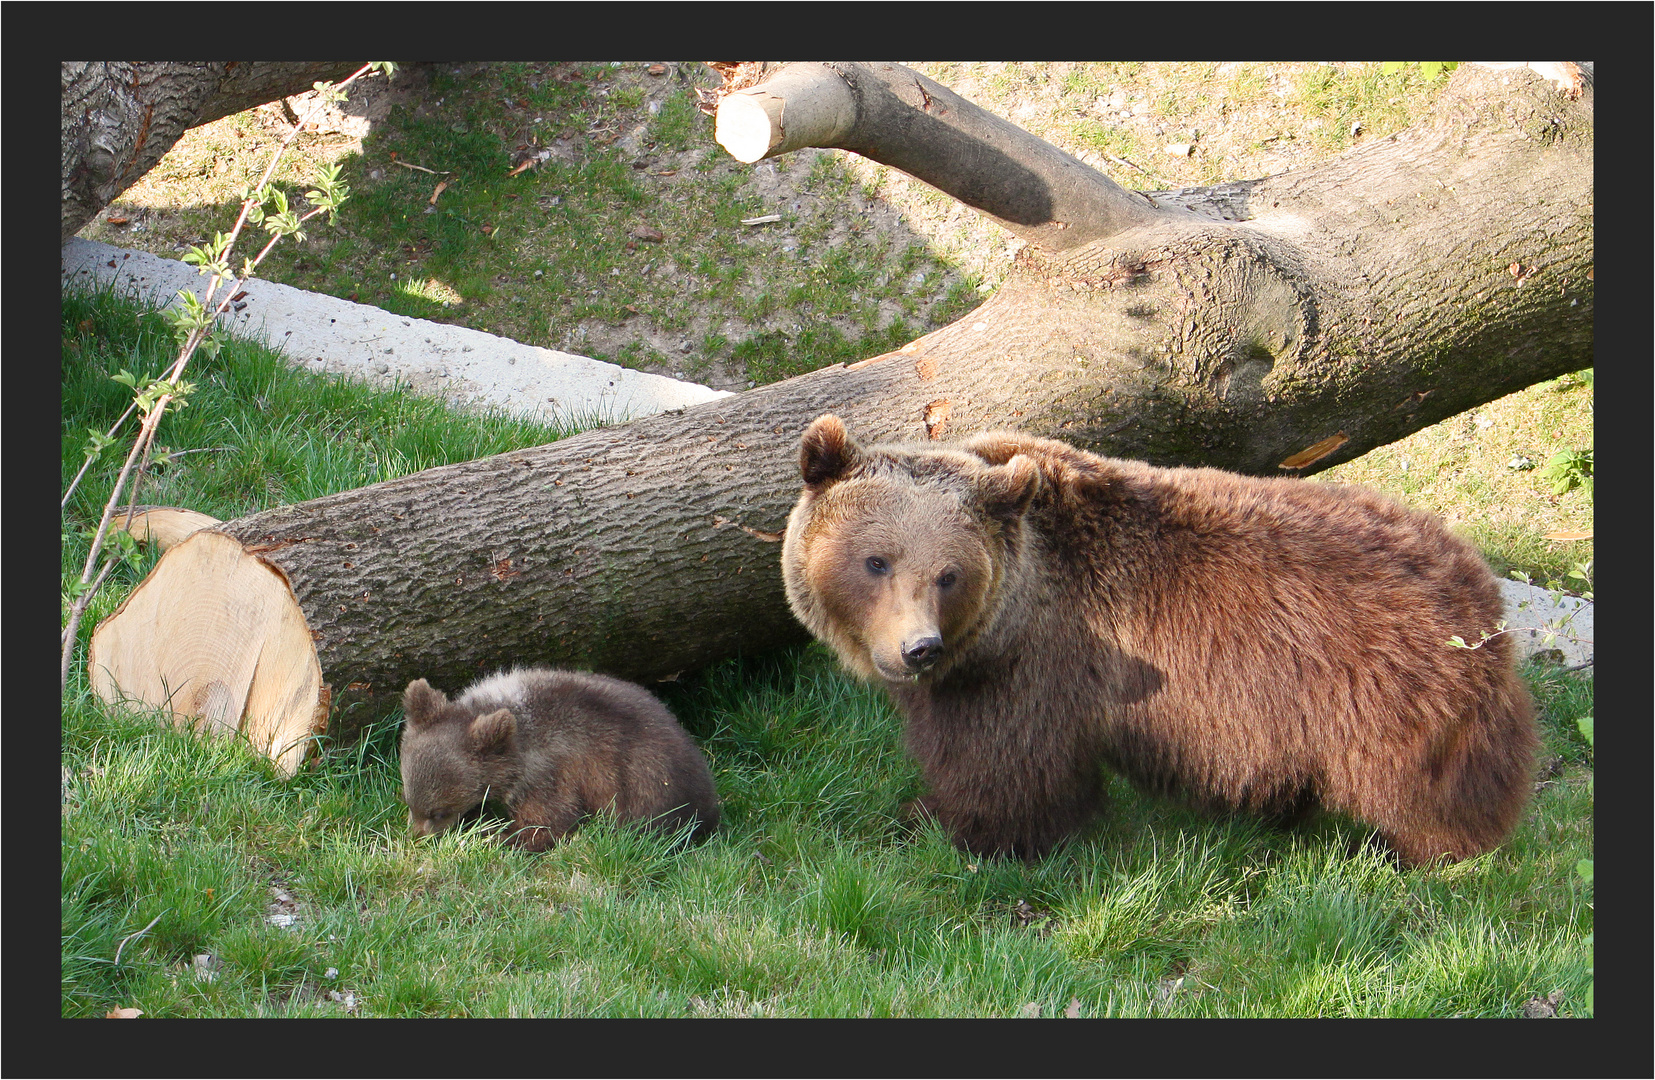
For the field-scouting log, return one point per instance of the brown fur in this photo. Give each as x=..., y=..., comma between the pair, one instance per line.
x=1270, y=646
x=554, y=747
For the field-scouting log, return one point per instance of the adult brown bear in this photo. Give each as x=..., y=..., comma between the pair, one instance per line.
x=1266, y=645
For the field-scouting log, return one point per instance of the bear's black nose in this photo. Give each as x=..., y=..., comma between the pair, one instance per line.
x=921, y=653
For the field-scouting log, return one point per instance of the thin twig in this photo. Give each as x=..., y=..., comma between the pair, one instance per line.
x=168, y=456
x=69, y=630
x=110, y=434
x=140, y=933
x=152, y=419
x=1140, y=168
x=422, y=168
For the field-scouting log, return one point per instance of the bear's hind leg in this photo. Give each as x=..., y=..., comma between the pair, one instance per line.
x=1470, y=793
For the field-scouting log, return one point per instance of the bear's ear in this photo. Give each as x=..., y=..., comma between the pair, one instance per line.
x=494, y=732
x=827, y=452
x=421, y=702
x=1006, y=490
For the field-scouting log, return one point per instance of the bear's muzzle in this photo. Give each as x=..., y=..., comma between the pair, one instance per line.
x=921, y=653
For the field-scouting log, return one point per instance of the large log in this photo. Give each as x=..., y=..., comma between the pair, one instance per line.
x=1288, y=323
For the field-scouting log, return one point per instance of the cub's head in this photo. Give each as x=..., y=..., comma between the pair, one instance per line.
x=451, y=757
x=894, y=555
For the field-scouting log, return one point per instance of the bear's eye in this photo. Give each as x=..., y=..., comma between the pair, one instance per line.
x=876, y=565
x=946, y=580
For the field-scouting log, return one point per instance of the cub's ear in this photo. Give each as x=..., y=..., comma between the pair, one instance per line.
x=421, y=702
x=827, y=452
x=494, y=732
x=1006, y=490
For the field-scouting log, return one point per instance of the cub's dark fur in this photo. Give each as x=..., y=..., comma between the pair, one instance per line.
x=554, y=747
x=1267, y=645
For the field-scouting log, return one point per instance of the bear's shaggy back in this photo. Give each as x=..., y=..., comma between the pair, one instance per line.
x=1268, y=645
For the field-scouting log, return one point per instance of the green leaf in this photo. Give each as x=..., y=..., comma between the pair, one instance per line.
x=1566, y=469
x=328, y=92
x=1584, y=869
x=1585, y=726
x=126, y=548
x=97, y=444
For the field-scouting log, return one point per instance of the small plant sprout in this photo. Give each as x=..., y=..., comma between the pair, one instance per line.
x=1499, y=628
x=1567, y=470
x=194, y=325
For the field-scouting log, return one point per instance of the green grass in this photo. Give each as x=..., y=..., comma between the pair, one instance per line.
x=813, y=899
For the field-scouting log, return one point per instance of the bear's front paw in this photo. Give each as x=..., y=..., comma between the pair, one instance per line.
x=533, y=837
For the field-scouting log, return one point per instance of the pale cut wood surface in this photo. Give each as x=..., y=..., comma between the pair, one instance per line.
x=213, y=637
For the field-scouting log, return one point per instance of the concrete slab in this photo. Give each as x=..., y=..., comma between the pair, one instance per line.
x=467, y=367
x=1536, y=615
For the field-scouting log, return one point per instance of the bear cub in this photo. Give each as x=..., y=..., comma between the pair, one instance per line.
x=554, y=747
x=1261, y=645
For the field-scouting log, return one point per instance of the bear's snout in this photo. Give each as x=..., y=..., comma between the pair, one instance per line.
x=428, y=826
x=921, y=653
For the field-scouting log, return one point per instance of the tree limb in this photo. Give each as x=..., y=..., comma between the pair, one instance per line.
x=898, y=117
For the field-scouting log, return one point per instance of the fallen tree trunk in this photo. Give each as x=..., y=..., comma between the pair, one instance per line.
x=121, y=116
x=1287, y=323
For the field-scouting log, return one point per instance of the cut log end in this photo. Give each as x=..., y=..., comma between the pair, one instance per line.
x=215, y=637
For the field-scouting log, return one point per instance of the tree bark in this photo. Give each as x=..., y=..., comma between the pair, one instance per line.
x=1288, y=323
x=120, y=117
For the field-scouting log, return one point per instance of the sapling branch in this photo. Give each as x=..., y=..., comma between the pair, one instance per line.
x=194, y=322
